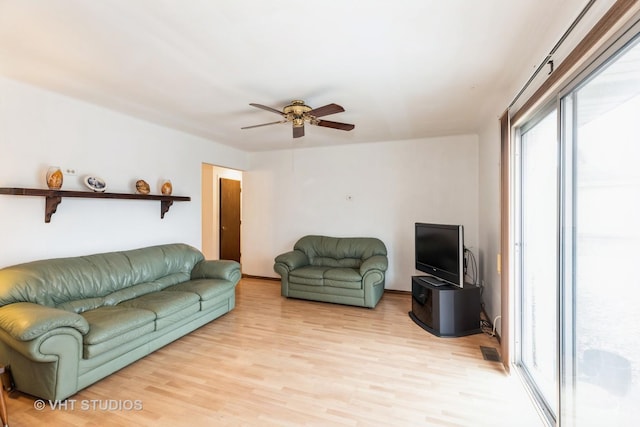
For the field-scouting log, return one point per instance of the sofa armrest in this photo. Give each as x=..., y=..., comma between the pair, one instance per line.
x=25, y=321
x=376, y=262
x=293, y=259
x=44, y=346
x=217, y=269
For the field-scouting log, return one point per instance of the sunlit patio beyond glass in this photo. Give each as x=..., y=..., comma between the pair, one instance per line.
x=607, y=238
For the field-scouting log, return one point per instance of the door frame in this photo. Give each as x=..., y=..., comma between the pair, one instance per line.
x=210, y=216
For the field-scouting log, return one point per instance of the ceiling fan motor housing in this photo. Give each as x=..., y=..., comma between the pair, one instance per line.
x=296, y=113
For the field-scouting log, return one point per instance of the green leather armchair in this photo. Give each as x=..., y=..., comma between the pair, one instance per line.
x=342, y=270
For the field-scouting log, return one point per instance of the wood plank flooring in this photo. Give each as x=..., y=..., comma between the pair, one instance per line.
x=274, y=361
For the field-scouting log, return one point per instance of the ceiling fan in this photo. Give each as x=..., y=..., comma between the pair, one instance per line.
x=297, y=113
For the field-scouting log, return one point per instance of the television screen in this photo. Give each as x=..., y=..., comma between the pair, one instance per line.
x=440, y=252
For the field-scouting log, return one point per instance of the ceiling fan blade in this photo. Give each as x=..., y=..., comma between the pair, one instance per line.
x=326, y=110
x=298, y=131
x=264, y=107
x=264, y=124
x=335, y=125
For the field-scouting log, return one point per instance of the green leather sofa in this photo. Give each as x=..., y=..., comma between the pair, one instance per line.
x=342, y=270
x=66, y=323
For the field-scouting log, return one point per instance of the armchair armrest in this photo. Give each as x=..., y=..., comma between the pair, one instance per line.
x=25, y=321
x=376, y=262
x=293, y=259
x=217, y=269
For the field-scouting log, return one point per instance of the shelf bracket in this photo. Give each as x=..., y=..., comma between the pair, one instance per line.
x=164, y=207
x=51, y=206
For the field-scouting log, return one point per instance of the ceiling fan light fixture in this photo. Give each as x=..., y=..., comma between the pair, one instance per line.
x=298, y=112
x=297, y=108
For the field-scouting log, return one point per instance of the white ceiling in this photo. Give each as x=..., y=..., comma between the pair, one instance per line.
x=402, y=69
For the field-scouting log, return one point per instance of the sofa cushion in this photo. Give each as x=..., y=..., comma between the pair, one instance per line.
x=169, y=307
x=106, y=323
x=309, y=275
x=111, y=327
x=152, y=263
x=206, y=289
x=163, y=303
x=131, y=292
x=172, y=279
x=343, y=278
x=81, y=305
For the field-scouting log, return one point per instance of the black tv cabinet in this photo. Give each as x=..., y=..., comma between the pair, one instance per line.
x=447, y=310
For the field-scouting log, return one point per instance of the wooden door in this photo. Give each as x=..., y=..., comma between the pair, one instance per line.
x=229, y=219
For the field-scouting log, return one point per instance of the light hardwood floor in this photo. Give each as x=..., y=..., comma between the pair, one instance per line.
x=284, y=362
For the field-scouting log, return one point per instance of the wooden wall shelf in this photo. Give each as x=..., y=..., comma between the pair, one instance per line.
x=54, y=197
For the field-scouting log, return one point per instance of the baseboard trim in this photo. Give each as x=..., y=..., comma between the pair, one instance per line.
x=397, y=291
x=275, y=279
x=249, y=276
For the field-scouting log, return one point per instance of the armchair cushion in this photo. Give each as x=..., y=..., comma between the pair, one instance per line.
x=343, y=275
x=343, y=278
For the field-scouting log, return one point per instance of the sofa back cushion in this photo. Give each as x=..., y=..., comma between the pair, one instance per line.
x=340, y=251
x=56, y=282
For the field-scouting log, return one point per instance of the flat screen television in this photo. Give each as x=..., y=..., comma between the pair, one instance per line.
x=440, y=253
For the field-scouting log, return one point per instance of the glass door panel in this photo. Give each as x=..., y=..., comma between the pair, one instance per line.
x=538, y=303
x=601, y=334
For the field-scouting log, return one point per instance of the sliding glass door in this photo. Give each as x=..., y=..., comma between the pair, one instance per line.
x=577, y=232
x=601, y=318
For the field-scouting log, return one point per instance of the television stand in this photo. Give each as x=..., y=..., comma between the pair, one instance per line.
x=432, y=281
x=447, y=310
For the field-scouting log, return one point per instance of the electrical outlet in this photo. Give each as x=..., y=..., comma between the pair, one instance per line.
x=70, y=171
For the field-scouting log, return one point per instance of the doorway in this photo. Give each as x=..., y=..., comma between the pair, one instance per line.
x=212, y=213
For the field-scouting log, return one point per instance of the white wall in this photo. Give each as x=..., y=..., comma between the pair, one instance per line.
x=40, y=128
x=378, y=189
x=489, y=217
